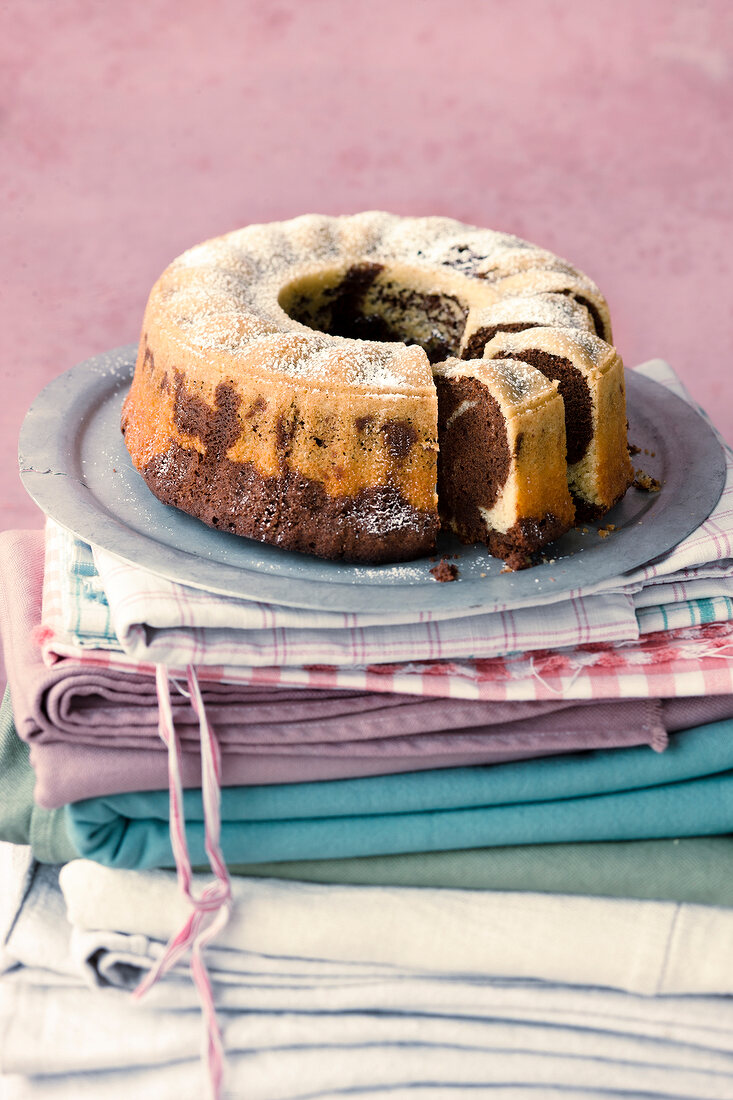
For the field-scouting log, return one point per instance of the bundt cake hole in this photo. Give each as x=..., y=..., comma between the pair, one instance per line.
x=366, y=303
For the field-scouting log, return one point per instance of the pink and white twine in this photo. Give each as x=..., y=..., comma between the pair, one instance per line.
x=210, y=911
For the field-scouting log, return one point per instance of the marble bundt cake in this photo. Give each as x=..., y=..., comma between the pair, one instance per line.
x=284, y=388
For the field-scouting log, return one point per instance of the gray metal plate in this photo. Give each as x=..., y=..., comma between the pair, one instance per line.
x=74, y=464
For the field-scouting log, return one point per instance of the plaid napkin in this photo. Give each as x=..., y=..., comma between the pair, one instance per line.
x=669, y=665
x=155, y=620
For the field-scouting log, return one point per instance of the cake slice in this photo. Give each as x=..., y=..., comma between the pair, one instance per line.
x=515, y=314
x=579, y=288
x=591, y=383
x=502, y=475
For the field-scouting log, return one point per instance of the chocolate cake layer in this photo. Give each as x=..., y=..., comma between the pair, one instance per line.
x=590, y=375
x=574, y=392
x=474, y=458
x=587, y=511
x=520, y=544
x=473, y=466
x=502, y=474
x=291, y=511
x=478, y=340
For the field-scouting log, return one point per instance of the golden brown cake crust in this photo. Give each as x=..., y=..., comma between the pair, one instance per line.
x=234, y=460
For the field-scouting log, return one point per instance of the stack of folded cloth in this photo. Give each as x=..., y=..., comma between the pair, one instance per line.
x=505, y=834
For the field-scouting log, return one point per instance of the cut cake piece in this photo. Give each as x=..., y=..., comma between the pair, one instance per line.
x=516, y=314
x=591, y=382
x=502, y=474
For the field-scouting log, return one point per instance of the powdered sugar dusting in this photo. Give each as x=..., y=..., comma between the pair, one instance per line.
x=594, y=347
x=536, y=309
x=514, y=380
x=582, y=347
x=386, y=512
x=539, y=279
x=223, y=294
x=518, y=380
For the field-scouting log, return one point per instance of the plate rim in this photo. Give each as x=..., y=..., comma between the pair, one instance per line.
x=70, y=507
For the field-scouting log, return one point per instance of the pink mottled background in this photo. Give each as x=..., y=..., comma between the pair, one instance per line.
x=601, y=130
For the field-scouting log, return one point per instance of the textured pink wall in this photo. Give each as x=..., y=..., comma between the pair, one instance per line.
x=131, y=131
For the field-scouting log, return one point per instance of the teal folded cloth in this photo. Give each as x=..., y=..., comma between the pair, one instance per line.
x=622, y=794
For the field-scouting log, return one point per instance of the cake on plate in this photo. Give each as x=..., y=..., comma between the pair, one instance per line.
x=289, y=382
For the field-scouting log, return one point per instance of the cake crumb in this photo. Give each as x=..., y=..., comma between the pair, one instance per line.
x=482, y=574
x=516, y=560
x=603, y=532
x=646, y=482
x=634, y=450
x=444, y=571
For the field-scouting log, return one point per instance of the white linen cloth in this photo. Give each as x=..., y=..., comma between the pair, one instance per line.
x=641, y=947
x=36, y=933
x=16, y=872
x=298, y=1026
x=157, y=621
x=97, y=1038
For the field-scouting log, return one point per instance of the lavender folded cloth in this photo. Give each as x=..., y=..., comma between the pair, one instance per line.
x=94, y=730
x=68, y=772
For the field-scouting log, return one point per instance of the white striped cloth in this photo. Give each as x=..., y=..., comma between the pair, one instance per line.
x=186, y=626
